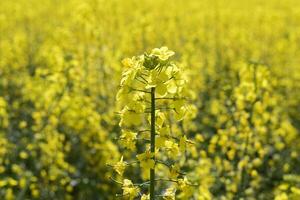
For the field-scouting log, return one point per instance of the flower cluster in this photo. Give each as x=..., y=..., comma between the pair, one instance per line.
x=153, y=98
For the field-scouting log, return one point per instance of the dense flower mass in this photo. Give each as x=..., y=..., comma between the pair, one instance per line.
x=75, y=99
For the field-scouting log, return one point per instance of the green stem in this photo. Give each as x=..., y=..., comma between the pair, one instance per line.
x=152, y=171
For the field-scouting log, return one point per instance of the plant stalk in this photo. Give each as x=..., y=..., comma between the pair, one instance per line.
x=152, y=148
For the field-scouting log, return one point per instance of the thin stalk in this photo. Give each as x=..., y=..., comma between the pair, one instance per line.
x=152, y=142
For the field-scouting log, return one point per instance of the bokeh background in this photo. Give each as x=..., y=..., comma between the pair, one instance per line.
x=60, y=67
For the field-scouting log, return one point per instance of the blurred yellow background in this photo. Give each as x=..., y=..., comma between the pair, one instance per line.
x=60, y=68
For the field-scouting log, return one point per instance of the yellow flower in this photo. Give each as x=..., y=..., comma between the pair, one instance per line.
x=254, y=173
x=169, y=194
x=130, y=118
x=160, y=141
x=22, y=183
x=282, y=196
x=128, y=139
x=295, y=190
x=12, y=182
x=127, y=62
x=120, y=166
x=146, y=160
x=2, y=169
x=35, y=193
x=23, y=155
x=172, y=148
x=129, y=190
x=145, y=197
x=184, y=186
x=9, y=195
x=174, y=171
x=162, y=53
